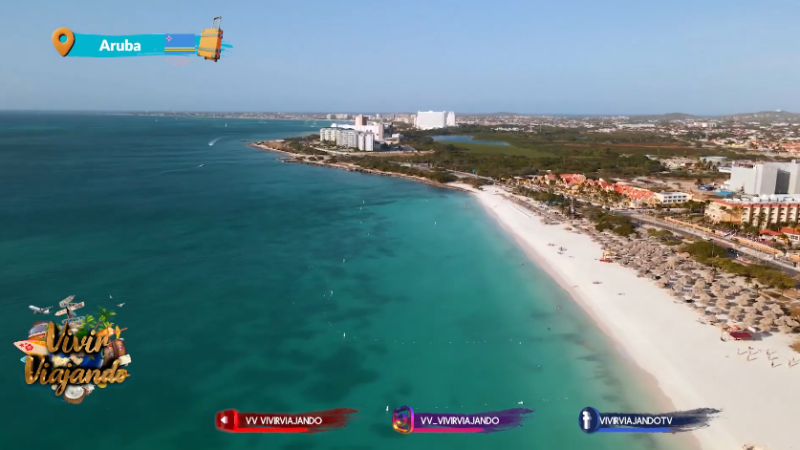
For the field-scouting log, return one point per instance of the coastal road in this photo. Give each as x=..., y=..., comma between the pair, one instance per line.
x=761, y=256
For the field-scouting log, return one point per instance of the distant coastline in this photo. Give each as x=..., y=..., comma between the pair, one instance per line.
x=296, y=158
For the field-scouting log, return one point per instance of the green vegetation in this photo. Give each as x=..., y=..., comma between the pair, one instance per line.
x=501, y=149
x=659, y=233
x=103, y=316
x=476, y=182
x=548, y=197
x=603, y=221
x=390, y=165
x=498, y=161
x=715, y=256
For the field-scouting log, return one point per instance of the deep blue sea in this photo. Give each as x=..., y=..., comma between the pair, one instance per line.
x=261, y=286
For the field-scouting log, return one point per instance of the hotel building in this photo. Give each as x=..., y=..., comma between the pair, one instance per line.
x=667, y=198
x=429, y=120
x=761, y=210
x=765, y=178
x=348, y=138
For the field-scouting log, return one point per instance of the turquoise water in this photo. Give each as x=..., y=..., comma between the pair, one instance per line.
x=241, y=275
x=456, y=138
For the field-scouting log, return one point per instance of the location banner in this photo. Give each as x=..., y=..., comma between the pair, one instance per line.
x=68, y=43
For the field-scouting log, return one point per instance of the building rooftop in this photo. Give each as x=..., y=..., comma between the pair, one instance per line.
x=774, y=198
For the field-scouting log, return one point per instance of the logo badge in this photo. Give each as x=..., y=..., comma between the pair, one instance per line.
x=403, y=420
x=589, y=420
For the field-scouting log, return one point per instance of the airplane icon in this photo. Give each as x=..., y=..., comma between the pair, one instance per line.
x=37, y=310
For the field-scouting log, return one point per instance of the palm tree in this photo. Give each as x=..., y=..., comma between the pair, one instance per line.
x=103, y=316
x=89, y=322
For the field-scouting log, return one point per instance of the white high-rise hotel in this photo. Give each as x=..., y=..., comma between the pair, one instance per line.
x=765, y=178
x=344, y=137
x=428, y=120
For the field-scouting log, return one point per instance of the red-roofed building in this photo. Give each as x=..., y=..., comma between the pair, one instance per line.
x=792, y=233
x=637, y=196
x=769, y=235
x=572, y=179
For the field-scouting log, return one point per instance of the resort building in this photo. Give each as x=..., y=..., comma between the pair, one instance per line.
x=376, y=128
x=765, y=178
x=348, y=138
x=637, y=197
x=760, y=211
x=792, y=233
x=327, y=134
x=429, y=120
x=451, y=119
x=366, y=142
x=668, y=198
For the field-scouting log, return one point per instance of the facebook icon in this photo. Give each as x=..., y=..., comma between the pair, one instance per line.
x=589, y=420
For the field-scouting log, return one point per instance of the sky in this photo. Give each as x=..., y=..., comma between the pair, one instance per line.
x=526, y=56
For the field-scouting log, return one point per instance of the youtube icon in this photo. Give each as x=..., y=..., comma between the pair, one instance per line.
x=226, y=420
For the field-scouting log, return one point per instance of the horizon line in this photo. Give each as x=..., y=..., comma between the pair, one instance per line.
x=395, y=112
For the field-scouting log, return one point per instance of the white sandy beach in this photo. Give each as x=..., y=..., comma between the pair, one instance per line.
x=692, y=367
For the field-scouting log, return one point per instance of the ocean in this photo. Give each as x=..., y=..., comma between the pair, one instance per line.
x=261, y=286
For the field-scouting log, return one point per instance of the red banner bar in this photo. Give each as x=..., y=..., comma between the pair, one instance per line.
x=234, y=421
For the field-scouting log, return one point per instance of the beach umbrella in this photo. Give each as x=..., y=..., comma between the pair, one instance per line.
x=784, y=329
x=742, y=301
x=722, y=303
x=766, y=323
x=671, y=261
x=735, y=311
x=770, y=315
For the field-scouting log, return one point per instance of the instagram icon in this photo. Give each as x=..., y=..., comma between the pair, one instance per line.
x=403, y=420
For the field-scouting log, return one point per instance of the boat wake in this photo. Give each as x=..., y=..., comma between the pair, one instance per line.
x=182, y=170
x=214, y=141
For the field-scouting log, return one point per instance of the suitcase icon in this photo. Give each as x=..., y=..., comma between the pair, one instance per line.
x=211, y=41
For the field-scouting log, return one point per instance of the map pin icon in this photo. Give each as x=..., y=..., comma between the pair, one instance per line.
x=63, y=40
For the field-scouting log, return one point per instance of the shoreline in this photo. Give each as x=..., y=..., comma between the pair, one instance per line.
x=683, y=361
x=649, y=381
x=293, y=159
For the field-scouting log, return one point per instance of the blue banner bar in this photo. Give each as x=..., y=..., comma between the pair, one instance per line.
x=105, y=46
